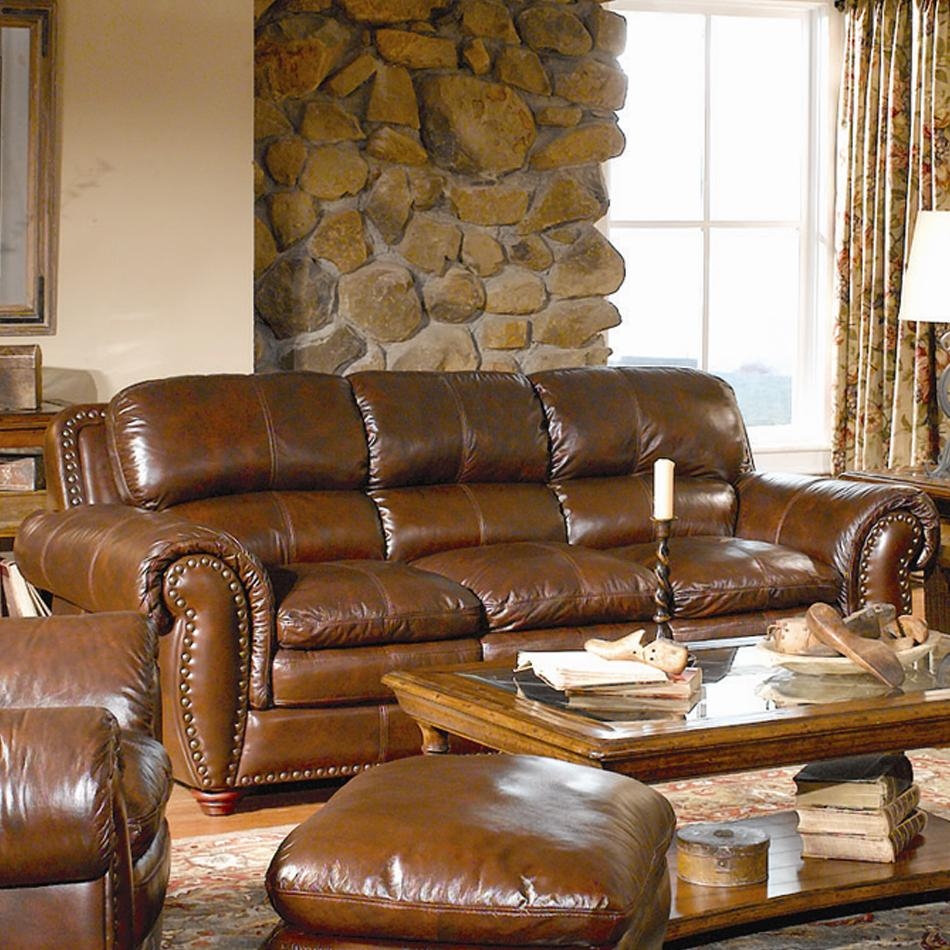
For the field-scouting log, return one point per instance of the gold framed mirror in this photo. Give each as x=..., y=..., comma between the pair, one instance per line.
x=27, y=167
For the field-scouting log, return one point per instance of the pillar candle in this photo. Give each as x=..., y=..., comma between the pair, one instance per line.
x=663, y=489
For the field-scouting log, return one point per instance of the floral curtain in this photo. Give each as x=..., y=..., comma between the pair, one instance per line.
x=894, y=150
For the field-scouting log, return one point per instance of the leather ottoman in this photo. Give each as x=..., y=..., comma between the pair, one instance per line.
x=460, y=851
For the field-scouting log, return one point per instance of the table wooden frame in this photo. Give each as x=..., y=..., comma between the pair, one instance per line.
x=446, y=704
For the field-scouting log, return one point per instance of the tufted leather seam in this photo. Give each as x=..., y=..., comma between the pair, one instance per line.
x=289, y=534
x=514, y=912
x=479, y=514
x=463, y=426
x=271, y=434
x=777, y=539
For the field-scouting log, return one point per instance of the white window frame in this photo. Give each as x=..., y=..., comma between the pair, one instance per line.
x=805, y=445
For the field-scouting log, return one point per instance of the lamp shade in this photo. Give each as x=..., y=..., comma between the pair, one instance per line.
x=925, y=292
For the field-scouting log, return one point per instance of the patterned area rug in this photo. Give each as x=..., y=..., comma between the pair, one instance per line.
x=216, y=895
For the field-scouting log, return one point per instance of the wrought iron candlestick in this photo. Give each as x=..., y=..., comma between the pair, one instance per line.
x=664, y=590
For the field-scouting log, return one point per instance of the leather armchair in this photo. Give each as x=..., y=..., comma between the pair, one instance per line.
x=84, y=849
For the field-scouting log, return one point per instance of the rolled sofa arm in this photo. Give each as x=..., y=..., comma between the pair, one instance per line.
x=873, y=535
x=209, y=597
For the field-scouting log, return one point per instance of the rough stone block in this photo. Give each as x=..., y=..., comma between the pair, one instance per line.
x=473, y=126
x=327, y=122
x=593, y=83
x=340, y=238
x=455, y=297
x=490, y=204
x=514, y=291
x=595, y=142
x=391, y=145
x=522, y=68
x=381, y=299
x=293, y=216
x=393, y=98
x=352, y=76
x=430, y=242
x=333, y=171
x=285, y=159
x=415, y=50
x=547, y=28
x=591, y=267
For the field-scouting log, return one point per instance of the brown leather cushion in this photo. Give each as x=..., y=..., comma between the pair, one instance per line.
x=364, y=602
x=719, y=576
x=526, y=585
x=146, y=785
x=511, y=850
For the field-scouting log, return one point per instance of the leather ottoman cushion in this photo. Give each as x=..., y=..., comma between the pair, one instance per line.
x=367, y=602
x=529, y=585
x=510, y=850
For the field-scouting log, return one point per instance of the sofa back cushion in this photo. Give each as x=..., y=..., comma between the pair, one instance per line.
x=180, y=439
x=292, y=527
x=456, y=460
x=607, y=428
x=444, y=428
x=620, y=420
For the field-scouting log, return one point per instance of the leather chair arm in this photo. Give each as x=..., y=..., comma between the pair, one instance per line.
x=105, y=660
x=61, y=809
x=873, y=535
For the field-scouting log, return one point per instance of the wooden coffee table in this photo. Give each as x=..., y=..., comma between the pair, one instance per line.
x=752, y=716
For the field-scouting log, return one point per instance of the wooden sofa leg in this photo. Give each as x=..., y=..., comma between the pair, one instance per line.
x=217, y=804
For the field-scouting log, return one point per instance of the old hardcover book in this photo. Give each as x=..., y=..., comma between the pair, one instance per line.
x=880, y=848
x=824, y=819
x=857, y=781
x=18, y=597
x=563, y=669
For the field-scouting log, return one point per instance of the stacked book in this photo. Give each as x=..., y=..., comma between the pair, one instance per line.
x=859, y=808
x=597, y=685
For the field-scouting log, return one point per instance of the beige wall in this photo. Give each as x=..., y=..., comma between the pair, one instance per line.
x=156, y=226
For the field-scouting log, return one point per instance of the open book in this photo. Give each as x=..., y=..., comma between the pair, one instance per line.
x=567, y=669
x=18, y=597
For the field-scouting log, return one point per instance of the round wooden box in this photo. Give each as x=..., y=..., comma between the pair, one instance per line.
x=722, y=855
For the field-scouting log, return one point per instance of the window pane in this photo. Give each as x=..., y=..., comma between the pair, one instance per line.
x=661, y=300
x=753, y=318
x=758, y=90
x=660, y=174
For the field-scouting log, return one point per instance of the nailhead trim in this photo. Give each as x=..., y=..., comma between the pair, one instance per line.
x=185, y=661
x=904, y=564
x=298, y=775
x=68, y=447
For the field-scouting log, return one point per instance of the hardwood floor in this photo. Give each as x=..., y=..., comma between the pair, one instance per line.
x=186, y=820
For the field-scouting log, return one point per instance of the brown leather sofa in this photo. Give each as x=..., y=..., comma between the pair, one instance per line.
x=297, y=535
x=84, y=847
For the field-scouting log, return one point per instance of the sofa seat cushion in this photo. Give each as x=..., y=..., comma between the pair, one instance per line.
x=713, y=576
x=502, y=850
x=526, y=585
x=146, y=784
x=366, y=602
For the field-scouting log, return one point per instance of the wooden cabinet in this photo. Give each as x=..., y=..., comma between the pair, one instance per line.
x=937, y=581
x=22, y=430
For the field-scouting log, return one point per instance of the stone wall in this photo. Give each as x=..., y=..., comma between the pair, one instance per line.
x=428, y=178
